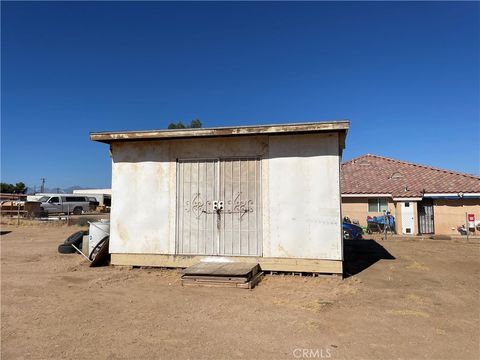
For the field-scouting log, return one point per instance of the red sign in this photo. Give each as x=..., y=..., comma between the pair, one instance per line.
x=471, y=217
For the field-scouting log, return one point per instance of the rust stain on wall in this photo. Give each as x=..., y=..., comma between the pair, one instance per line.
x=282, y=250
x=122, y=233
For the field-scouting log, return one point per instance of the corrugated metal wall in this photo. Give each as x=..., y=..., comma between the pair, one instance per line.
x=233, y=230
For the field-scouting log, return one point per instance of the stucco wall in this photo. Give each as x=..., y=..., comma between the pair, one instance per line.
x=300, y=192
x=449, y=214
x=357, y=209
x=304, y=199
x=141, y=221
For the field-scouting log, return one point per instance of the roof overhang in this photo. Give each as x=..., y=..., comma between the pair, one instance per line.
x=407, y=198
x=93, y=191
x=459, y=195
x=340, y=127
x=366, y=195
x=385, y=195
x=450, y=196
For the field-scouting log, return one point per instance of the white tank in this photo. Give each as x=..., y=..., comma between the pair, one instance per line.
x=98, y=230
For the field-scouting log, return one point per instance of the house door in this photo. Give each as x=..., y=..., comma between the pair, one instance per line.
x=425, y=217
x=407, y=218
x=218, y=207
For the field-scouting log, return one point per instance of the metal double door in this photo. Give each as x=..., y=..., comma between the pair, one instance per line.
x=218, y=207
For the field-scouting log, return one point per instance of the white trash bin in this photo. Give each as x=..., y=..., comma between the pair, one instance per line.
x=98, y=230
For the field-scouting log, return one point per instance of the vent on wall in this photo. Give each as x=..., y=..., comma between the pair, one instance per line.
x=363, y=163
x=396, y=175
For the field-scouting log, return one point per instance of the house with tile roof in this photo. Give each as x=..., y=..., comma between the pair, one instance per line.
x=423, y=199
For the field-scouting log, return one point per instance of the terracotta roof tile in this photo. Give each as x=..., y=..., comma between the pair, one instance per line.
x=373, y=174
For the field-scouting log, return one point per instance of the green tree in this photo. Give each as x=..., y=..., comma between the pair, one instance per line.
x=18, y=188
x=178, y=125
x=196, y=123
x=7, y=188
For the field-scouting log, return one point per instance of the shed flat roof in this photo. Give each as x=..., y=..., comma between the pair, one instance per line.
x=275, y=129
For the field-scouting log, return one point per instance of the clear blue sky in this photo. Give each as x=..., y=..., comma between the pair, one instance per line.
x=405, y=74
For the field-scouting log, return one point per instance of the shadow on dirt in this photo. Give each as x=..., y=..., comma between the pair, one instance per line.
x=361, y=254
x=5, y=232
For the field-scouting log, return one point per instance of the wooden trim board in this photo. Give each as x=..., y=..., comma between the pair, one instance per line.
x=267, y=264
x=271, y=129
x=219, y=282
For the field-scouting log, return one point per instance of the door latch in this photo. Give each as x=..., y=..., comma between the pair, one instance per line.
x=217, y=206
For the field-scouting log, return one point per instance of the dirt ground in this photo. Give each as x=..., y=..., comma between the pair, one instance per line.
x=404, y=299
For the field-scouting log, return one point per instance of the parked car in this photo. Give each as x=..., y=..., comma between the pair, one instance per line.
x=351, y=231
x=93, y=203
x=64, y=204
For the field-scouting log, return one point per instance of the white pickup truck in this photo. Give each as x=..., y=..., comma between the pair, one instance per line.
x=64, y=204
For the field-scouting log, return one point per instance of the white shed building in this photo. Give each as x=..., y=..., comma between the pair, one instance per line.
x=267, y=194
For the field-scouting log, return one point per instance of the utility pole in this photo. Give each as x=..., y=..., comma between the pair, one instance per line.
x=42, y=187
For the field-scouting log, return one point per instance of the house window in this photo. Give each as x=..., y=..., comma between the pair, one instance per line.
x=377, y=205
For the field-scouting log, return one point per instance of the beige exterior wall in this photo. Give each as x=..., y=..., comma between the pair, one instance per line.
x=398, y=217
x=357, y=209
x=415, y=217
x=449, y=214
